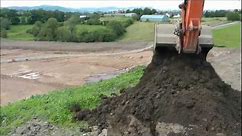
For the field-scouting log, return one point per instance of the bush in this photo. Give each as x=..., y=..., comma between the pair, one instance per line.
x=14, y=20
x=117, y=27
x=3, y=33
x=63, y=34
x=233, y=16
x=93, y=21
x=72, y=21
x=5, y=23
x=36, y=28
x=97, y=36
x=127, y=22
x=48, y=30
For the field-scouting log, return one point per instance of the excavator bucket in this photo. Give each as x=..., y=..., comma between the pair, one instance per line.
x=165, y=39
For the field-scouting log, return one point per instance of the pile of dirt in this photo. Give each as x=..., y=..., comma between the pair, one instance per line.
x=178, y=95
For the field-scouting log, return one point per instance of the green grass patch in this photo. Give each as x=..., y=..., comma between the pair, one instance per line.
x=18, y=32
x=54, y=107
x=139, y=31
x=115, y=18
x=228, y=37
x=213, y=21
x=90, y=28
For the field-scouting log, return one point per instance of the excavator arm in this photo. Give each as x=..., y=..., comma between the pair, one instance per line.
x=189, y=35
x=192, y=11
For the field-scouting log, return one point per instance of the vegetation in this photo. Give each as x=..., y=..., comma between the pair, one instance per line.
x=141, y=11
x=11, y=15
x=139, y=31
x=4, y=33
x=214, y=21
x=5, y=23
x=228, y=37
x=31, y=16
x=54, y=107
x=216, y=13
x=19, y=32
x=125, y=21
x=77, y=30
x=4, y=26
x=233, y=16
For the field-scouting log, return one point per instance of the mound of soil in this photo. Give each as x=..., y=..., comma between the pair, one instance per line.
x=177, y=95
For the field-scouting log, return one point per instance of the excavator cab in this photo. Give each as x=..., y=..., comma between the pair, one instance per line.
x=187, y=36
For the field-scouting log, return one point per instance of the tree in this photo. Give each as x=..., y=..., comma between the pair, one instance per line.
x=3, y=33
x=73, y=20
x=14, y=20
x=63, y=34
x=36, y=28
x=94, y=19
x=233, y=16
x=117, y=27
x=10, y=14
x=71, y=24
x=5, y=23
x=48, y=30
x=52, y=25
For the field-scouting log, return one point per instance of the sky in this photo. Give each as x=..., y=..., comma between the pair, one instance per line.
x=157, y=4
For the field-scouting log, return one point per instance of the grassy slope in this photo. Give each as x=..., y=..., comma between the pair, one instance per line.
x=213, y=21
x=139, y=31
x=228, y=37
x=54, y=106
x=116, y=18
x=18, y=32
x=90, y=28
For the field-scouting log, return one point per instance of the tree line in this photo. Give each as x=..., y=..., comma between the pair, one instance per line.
x=30, y=17
x=234, y=15
x=67, y=31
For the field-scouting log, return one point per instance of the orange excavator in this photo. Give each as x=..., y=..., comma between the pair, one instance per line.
x=189, y=35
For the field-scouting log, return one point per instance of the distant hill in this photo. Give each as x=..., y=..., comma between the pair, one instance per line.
x=64, y=9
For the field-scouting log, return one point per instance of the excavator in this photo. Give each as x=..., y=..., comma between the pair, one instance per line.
x=188, y=36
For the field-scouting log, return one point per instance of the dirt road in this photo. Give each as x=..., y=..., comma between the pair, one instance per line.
x=28, y=77
x=60, y=69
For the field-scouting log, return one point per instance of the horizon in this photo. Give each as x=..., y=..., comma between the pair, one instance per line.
x=165, y=4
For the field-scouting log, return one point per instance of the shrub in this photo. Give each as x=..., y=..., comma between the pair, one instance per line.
x=63, y=34
x=127, y=22
x=3, y=33
x=72, y=21
x=5, y=23
x=117, y=27
x=233, y=16
x=35, y=29
x=48, y=30
x=101, y=35
x=93, y=21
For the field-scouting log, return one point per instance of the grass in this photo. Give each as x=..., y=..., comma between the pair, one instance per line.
x=228, y=37
x=139, y=31
x=18, y=32
x=90, y=28
x=114, y=18
x=213, y=21
x=54, y=107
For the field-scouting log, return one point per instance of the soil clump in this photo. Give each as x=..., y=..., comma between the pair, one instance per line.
x=177, y=95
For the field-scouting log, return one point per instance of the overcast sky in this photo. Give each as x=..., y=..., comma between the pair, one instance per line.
x=158, y=4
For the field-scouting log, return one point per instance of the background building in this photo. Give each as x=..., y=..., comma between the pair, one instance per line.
x=154, y=18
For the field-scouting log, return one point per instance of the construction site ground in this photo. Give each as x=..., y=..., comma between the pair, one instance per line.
x=38, y=68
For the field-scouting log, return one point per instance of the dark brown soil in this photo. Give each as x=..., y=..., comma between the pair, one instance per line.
x=179, y=89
